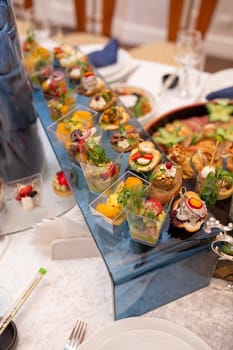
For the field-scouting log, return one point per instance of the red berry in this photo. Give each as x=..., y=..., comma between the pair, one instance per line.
x=154, y=205
x=24, y=192
x=168, y=165
x=61, y=178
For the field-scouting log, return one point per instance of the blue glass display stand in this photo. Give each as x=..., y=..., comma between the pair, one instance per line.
x=143, y=277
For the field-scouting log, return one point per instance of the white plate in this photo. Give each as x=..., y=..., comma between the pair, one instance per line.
x=219, y=80
x=116, y=71
x=143, y=120
x=145, y=333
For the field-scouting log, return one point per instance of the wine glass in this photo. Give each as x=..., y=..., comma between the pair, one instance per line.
x=189, y=54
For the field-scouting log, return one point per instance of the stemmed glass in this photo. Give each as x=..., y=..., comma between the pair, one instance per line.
x=189, y=55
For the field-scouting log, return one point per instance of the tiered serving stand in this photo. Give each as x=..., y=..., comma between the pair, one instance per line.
x=143, y=277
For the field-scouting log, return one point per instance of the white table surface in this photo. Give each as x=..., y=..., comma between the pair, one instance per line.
x=81, y=288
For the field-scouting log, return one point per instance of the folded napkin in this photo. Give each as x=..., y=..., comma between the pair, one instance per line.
x=106, y=56
x=223, y=93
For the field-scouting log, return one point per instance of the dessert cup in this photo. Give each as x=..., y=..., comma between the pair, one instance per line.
x=26, y=191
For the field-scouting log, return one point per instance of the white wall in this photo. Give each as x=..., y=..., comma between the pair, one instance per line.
x=141, y=21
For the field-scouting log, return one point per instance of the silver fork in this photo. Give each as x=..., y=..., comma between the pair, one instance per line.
x=76, y=336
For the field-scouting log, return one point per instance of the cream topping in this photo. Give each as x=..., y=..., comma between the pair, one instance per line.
x=128, y=100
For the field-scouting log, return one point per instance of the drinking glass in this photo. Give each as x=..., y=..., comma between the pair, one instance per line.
x=189, y=54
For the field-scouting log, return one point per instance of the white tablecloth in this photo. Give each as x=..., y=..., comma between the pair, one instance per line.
x=81, y=288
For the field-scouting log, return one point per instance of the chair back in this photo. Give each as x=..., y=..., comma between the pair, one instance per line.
x=193, y=14
x=88, y=19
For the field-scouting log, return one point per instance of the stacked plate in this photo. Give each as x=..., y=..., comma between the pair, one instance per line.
x=117, y=71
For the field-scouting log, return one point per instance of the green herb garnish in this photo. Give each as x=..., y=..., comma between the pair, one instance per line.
x=220, y=111
x=96, y=154
x=168, y=138
x=213, y=181
x=209, y=190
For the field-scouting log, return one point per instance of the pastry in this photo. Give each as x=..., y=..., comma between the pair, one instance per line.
x=166, y=182
x=189, y=212
x=60, y=184
x=102, y=100
x=90, y=84
x=125, y=139
x=113, y=117
x=145, y=157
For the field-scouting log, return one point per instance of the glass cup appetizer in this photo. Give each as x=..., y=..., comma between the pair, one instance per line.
x=61, y=104
x=145, y=218
x=109, y=206
x=74, y=129
x=99, y=168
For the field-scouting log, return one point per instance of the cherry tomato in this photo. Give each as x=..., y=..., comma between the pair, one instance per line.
x=154, y=205
x=148, y=156
x=136, y=155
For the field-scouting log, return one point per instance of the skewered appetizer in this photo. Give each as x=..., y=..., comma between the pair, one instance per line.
x=102, y=100
x=125, y=139
x=166, y=182
x=214, y=184
x=144, y=158
x=113, y=117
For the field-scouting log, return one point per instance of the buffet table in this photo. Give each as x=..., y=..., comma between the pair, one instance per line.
x=81, y=288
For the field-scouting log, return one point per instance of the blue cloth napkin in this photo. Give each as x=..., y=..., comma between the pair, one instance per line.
x=106, y=56
x=223, y=93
